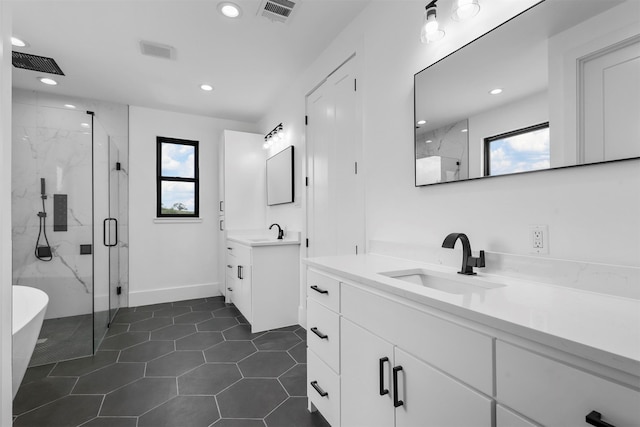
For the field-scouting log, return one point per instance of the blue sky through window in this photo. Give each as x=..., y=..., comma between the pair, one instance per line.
x=520, y=153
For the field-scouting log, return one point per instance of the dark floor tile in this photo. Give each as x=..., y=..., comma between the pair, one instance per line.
x=294, y=380
x=173, y=332
x=139, y=397
x=151, y=324
x=229, y=351
x=269, y=364
x=251, y=398
x=174, y=364
x=38, y=393
x=302, y=333
x=124, y=340
x=240, y=332
x=220, y=324
x=171, y=311
x=230, y=422
x=242, y=320
x=276, y=341
x=299, y=352
x=216, y=298
x=111, y=422
x=227, y=312
x=153, y=307
x=131, y=316
x=209, y=306
x=294, y=413
x=78, y=367
x=189, y=302
x=192, y=318
x=116, y=329
x=146, y=351
x=108, y=379
x=208, y=379
x=199, y=341
x=37, y=373
x=182, y=411
x=70, y=411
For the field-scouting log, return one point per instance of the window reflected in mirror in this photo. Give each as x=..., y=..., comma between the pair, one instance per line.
x=522, y=150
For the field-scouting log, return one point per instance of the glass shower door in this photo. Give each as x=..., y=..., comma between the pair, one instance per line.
x=114, y=240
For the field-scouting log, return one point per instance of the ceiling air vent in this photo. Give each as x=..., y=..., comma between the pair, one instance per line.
x=157, y=50
x=276, y=10
x=41, y=64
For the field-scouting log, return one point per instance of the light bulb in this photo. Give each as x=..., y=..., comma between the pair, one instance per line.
x=465, y=9
x=431, y=31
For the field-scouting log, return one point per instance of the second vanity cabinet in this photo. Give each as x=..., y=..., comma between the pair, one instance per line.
x=389, y=361
x=262, y=282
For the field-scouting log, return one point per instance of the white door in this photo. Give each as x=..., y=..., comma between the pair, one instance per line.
x=335, y=202
x=611, y=104
x=366, y=390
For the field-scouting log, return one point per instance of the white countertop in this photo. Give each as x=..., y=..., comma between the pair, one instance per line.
x=597, y=327
x=264, y=240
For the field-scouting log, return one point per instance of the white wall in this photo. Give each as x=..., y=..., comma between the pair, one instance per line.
x=5, y=216
x=171, y=259
x=592, y=211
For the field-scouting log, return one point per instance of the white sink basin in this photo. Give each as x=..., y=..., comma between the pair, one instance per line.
x=426, y=278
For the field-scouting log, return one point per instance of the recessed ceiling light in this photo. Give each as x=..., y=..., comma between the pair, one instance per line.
x=48, y=81
x=206, y=87
x=15, y=41
x=85, y=125
x=421, y=122
x=464, y=130
x=428, y=141
x=495, y=91
x=230, y=10
x=70, y=106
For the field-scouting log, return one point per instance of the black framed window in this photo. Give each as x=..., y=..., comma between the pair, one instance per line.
x=177, y=177
x=521, y=150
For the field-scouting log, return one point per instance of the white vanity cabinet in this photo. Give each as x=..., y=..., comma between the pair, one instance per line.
x=265, y=283
x=555, y=393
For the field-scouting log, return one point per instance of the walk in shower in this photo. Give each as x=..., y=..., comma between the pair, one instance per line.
x=67, y=207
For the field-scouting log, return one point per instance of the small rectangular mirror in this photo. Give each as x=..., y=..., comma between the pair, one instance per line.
x=280, y=177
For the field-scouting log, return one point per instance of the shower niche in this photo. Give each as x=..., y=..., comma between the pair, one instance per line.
x=69, y=210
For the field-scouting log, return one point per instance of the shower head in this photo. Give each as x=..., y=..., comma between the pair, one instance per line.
x=42, y=187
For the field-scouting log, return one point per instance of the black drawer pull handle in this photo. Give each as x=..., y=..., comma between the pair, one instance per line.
x=320, y=291
x=229, y=248
x=383, y=390
x=229, y=266
x=230, y=290
x=320, y=334
x=396, y=402
x=595, y=419
x=320, y=391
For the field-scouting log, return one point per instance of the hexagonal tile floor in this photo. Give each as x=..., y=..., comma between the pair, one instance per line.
x=193, y=363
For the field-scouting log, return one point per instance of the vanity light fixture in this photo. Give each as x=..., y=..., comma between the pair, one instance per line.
x=277, y=133
x=47, y=81
x=495, y=91
x=465, y=9
x=230, y=10
x=431, y=30
x=17, y=42
x=206, y=87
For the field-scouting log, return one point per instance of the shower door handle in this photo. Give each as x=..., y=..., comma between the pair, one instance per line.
x=105, y=232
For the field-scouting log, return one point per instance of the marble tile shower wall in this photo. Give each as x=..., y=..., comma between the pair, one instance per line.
x=50, y=142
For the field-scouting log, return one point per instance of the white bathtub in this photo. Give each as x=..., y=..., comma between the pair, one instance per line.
x=29, y=306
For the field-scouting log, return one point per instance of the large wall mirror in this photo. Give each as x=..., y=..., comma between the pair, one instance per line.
x=556, y=86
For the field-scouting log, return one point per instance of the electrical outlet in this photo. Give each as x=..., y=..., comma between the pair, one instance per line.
x=539, y=239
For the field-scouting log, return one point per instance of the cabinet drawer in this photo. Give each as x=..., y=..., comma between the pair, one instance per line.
x=326, y=381
x=461, y=352
x=324, y=289
x=506, y=418
x=323, y=336
x=556, y=394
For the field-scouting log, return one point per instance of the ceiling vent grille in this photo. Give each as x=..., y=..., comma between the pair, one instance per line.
x=157, y=50
x=41, y=64
x=277, y=10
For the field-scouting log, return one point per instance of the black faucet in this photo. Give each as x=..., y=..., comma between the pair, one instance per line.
x=280, y=232
x=468, y=261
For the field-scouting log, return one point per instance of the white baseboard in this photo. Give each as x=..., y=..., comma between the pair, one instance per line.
x=179, y=293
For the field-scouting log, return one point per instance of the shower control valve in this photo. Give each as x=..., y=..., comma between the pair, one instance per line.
x=42, y=214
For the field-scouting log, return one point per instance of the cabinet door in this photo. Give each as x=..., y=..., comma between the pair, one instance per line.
x=431, y=398
x=362, y=405
x=243, y=281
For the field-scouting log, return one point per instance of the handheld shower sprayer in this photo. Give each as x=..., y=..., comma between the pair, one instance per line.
x=43, y=252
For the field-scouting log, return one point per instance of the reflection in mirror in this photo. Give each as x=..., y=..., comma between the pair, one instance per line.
x=558, y=85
